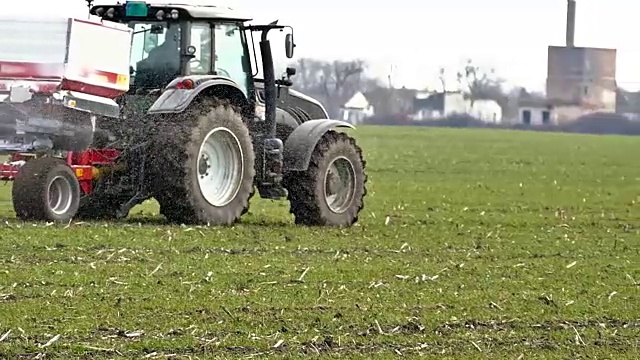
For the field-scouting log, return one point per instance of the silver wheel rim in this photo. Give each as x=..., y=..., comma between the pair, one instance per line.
x=339, y=184
x=220, y=167
x=60, y=195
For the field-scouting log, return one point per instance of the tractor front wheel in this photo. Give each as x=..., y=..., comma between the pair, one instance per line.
x=331, y=191
x=46, y=189
x=203, y=165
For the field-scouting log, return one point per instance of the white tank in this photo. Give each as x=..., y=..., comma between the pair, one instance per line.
x=65, y=52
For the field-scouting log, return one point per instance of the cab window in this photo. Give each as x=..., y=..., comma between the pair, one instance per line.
x=145, y=40
x=155, y=54
x=200, y=64
x=230, y=56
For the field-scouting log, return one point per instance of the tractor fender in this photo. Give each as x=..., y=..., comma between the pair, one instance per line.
x=300, y=144
x=176, y=100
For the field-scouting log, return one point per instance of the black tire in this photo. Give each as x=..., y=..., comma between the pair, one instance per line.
x=31, y=195
x=174, y=164
x=306, y=190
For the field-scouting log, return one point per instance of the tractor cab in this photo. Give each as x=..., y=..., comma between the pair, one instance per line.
x=180, y=40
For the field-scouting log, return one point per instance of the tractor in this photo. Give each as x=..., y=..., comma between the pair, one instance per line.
x=197, y=130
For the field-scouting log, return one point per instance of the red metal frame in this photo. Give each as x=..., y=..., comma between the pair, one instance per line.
x=83, y=163
x=47, y=78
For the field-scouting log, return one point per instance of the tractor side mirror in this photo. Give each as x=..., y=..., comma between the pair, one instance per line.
x=289, y=45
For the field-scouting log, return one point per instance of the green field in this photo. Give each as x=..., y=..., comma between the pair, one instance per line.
x=472, y=244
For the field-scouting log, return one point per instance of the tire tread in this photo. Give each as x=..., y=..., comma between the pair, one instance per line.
x=170, y=151
x=301, y=186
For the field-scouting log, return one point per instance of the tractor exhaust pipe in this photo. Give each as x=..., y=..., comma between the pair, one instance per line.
x=571, y=23
x=272, y=147
x=269, y=85
x=270, y=89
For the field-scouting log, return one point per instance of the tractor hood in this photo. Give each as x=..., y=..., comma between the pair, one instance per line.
x=292, y=99
x=309, y=99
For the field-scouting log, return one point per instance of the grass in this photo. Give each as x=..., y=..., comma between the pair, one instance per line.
x=501, y=244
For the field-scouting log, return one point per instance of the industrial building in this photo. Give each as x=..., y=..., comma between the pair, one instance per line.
x=580, y=80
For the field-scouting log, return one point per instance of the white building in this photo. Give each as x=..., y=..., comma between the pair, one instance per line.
x=356, y=109
x=540, y=111
x=436, y=106
x=488, y=111
x=535, y=115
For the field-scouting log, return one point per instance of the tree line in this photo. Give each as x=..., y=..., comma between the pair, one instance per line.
x=335, y=82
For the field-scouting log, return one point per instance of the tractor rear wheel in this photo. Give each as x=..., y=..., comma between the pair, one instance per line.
x=202, y=165
x=46, y=189
x=331, y=191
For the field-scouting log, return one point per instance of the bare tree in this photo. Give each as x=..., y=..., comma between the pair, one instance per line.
x=332, y=82
x=479, y=84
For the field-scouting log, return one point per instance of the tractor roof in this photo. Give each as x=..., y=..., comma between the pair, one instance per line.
x=195, y=9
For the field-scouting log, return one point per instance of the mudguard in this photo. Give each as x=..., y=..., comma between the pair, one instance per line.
x=175, y=99
x=299, y=146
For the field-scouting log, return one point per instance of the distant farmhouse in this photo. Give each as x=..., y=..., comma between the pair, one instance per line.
x=413, y=105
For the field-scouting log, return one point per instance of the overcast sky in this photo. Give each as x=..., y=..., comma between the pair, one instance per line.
x=416, y=37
